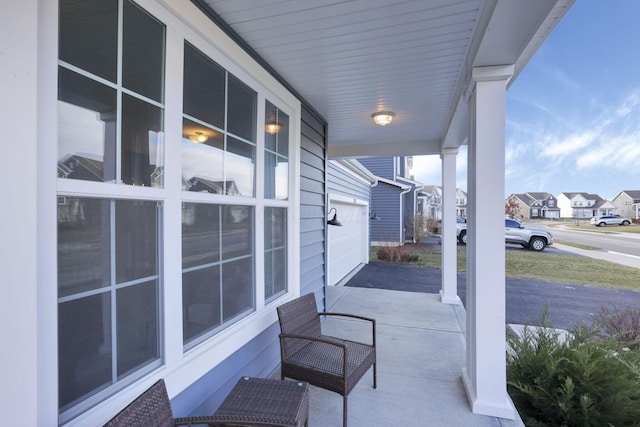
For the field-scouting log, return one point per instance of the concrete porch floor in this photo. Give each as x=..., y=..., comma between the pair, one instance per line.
x=421, y=351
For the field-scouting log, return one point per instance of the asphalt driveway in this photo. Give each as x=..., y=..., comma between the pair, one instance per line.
x=526, y=299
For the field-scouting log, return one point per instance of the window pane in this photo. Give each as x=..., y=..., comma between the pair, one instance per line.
x=142, y=53
x=237, y=231
x=86, y=128
x=204, y=88
x=89, y=36
x=276, y=130
x=202, y=158
x=276, y=177
x=138, y=326
x=200, y=234
x=84, y=347
x=142, y=143
x=200, y=301
x=241, y=116
x=275, y=244
x=84, y=245
x=275, y=273
x=237, y=288
x=136, y=240
x=240, y=166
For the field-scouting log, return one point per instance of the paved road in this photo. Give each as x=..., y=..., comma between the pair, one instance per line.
x=526, y=299
x=617, y=241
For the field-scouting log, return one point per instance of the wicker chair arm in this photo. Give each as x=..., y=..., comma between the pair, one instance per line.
x=317, y=339
x=355, y=316
x=189, y=421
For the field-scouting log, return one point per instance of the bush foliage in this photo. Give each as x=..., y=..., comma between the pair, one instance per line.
x=578, y=379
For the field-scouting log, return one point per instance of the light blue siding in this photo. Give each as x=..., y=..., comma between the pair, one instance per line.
x=343, y=183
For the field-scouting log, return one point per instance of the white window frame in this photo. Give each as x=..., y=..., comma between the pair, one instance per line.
x=183, y=21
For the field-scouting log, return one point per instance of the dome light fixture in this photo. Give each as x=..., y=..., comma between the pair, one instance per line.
x=383, y=118
x=199, y=137
x=272, y=128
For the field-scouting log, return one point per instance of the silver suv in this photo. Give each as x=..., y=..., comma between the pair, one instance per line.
x=604, y=220
x=515, y=232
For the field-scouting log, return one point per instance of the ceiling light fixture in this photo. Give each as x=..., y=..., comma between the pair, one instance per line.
x=272, y=128
x=383, y=118
x=199, y=137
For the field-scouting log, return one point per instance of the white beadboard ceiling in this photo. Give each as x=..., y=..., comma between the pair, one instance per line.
x=350, y=58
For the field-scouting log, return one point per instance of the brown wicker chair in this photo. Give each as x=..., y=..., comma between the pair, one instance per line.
x=328, y=362
x=152, y=408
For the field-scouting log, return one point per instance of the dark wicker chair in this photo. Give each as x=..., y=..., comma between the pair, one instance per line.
x=328, y=362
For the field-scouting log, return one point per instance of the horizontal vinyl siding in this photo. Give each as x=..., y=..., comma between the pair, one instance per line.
x=385, y=202
x=380, y=166
x=341, y=182
x=312, y=207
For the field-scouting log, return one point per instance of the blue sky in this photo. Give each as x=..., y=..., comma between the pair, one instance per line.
x=573, y=114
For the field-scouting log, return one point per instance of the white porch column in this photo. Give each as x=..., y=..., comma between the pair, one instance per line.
x=449, y=291
x=485, y=373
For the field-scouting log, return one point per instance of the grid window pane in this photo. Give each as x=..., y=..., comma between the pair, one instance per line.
x=237, y=288
x=200, y=234
x=237, y=231
x=142, y=143
x=202, y=158
x=84, y=347
x=200, y=301
x=89, y=36
x=86, y=128
x=137, y=325
x=276, y=177
x=142, y=53
x=275, y=257
x=241, y=110
x=136, y=240
x=276, y=167
x=84, y=245
x=204, y=88
x=240, y=168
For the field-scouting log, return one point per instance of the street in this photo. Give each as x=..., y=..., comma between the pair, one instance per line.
x=616, y=241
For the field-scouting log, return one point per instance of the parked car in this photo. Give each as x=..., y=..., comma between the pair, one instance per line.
x=604, y=220
x=515, y=232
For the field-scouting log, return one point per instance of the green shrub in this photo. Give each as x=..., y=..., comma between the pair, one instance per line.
x=573, y=380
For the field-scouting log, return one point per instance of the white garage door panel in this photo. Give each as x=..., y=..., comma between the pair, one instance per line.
x=347, y=244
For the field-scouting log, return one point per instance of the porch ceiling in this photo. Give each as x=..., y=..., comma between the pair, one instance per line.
x=350, y=58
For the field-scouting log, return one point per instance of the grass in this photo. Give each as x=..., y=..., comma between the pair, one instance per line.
x=566, y=269
x=576, y=245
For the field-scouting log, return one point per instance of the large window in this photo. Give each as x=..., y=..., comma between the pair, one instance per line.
x=118, y=227
x=219, y=129
x=110, y=101
x=110, y=129
x=108, y=293
x=217, y=261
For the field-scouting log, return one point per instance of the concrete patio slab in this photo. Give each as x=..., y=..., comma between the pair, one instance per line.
x=421, y=351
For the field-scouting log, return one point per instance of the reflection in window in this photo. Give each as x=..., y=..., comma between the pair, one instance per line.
x=88, y=116
x=217, y=261
x=275, y=252
x=276, y=171
x=219, y=137
x=108, y=291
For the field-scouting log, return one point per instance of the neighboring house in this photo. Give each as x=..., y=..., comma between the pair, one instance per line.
x=349, y=193
x=584, y=205
x=396, y=201
x=627, y=203
x=114, y=275
x=431, y=202
x=537, y=205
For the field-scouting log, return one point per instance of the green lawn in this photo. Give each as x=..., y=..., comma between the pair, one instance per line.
x=548, y=267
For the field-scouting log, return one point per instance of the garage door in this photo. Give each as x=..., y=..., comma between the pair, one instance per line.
x=348, y=245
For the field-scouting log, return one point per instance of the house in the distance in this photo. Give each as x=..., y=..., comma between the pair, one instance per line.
x=584, y=205
x=536, y=205
x=394, y=200
x=430, y=202
x=628, y=203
